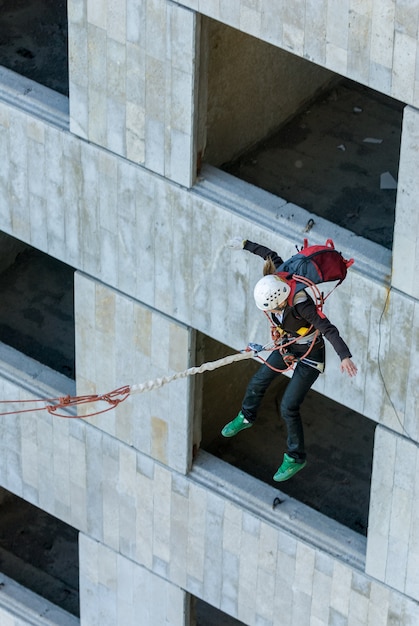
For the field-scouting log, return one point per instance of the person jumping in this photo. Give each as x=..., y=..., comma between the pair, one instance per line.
x=297, y=326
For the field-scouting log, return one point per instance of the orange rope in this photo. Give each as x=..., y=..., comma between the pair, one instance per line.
x=113, y=398
x=289, y=358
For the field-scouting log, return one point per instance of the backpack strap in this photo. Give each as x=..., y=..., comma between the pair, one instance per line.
x=317, y=296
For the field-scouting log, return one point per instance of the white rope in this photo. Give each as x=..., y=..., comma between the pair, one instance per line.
x=211, y=365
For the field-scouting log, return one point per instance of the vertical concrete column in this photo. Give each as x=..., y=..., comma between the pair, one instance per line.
x=393, y=538
x=120, y=342
x=132, y=81
x=406, y=228
x=115, y=591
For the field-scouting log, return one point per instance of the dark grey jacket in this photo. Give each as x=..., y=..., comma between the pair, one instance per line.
x=302, y=314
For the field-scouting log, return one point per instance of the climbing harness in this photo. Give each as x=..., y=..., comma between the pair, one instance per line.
x=289, y=359
x=282, y=344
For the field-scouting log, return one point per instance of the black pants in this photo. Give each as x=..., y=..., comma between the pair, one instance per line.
x=302, y=379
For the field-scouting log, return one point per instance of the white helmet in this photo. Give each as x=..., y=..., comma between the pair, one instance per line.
x=270, y=292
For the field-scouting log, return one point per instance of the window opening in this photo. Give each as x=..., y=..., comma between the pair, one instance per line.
x=37, y=305
x=39, y=552
x=339, y=441
x=33, y=41
x=301, y=132
x=204, y=614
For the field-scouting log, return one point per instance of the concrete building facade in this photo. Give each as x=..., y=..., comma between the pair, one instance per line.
x=116, y=181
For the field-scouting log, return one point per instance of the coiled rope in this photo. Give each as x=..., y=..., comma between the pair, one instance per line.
x=192, y=371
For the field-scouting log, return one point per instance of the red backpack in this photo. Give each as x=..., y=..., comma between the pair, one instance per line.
x=313, y=265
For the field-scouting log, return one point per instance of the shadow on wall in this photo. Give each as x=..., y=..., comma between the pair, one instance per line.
x=207, y=615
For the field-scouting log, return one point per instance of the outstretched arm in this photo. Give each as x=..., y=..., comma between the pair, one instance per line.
x=237, y=243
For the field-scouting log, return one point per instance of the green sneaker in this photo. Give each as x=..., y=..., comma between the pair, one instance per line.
x=288, y=468
x=235, y=426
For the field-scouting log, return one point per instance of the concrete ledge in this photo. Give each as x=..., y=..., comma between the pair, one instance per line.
x=39, y=380
x=33, y=98
x=290, y=221
x=290, y=516
x=19, y=605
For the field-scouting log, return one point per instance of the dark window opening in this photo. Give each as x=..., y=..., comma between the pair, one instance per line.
x=302, y=133
x=339, y=442
x=33, y=41
x=39, y=552
x=37, y=305
x=204, y=614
